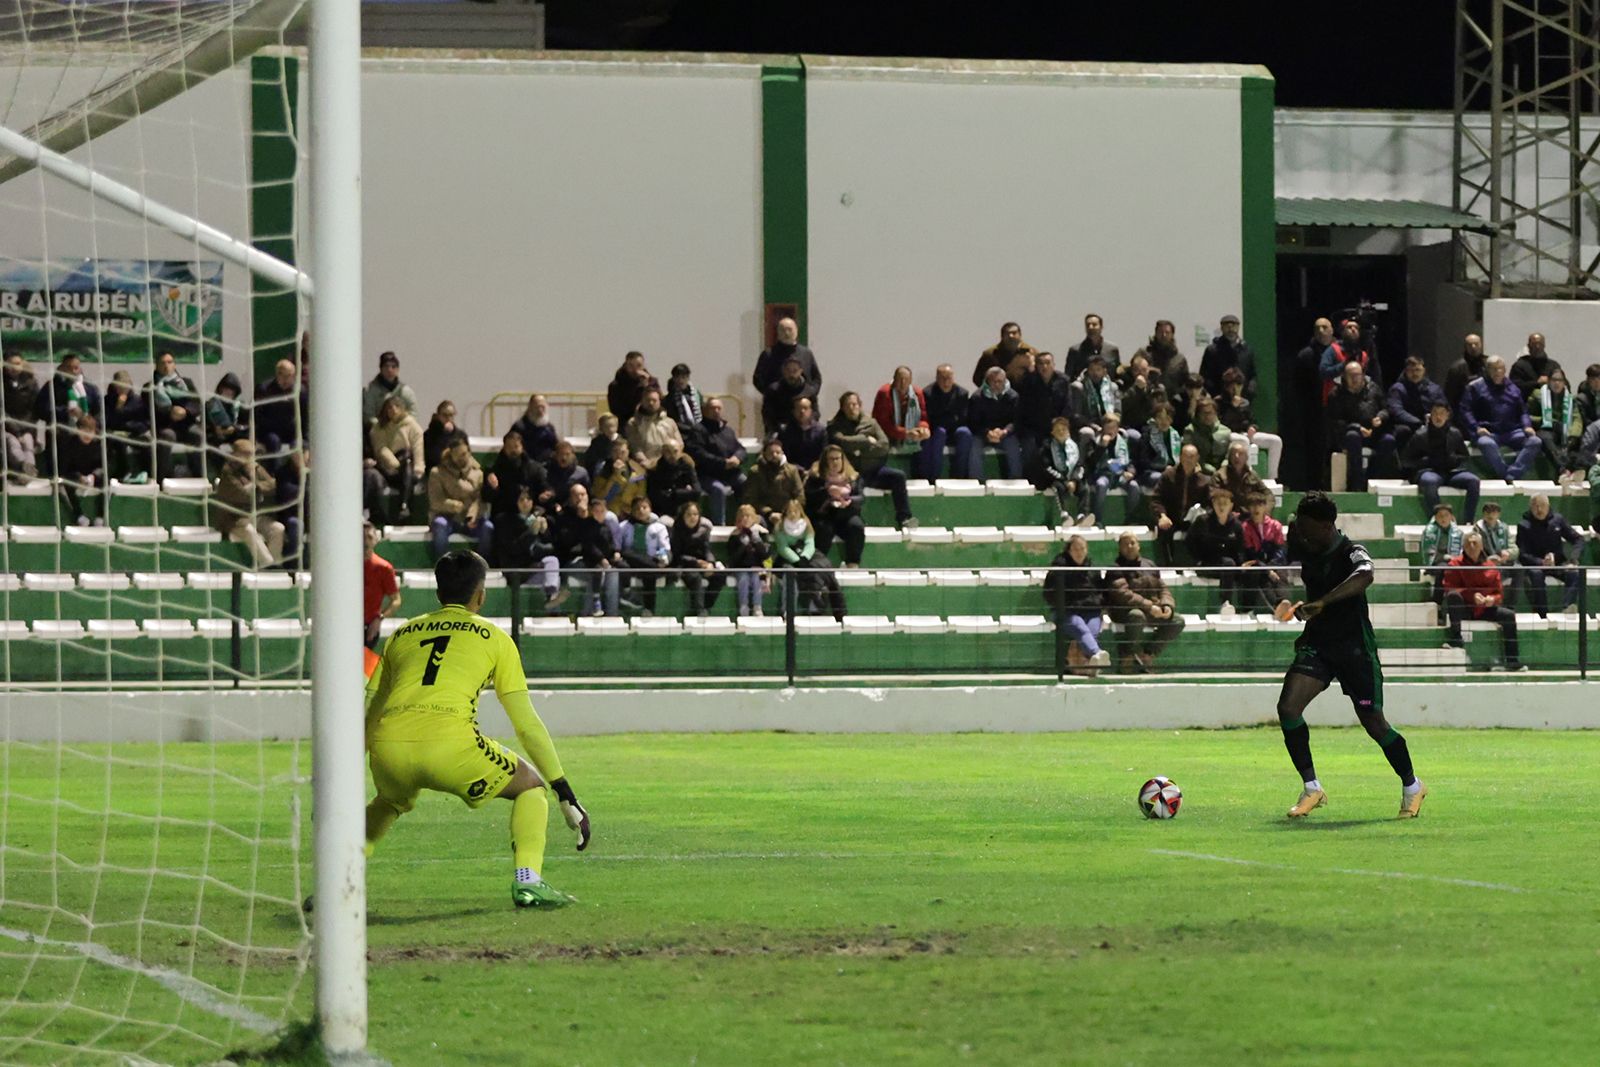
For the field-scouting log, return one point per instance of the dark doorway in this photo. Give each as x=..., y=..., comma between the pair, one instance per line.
x=1371, y=289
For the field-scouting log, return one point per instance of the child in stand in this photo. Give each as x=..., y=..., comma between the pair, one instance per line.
x=1060, y=469
x=748, y=554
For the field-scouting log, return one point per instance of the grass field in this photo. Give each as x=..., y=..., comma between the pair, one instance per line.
x=992, y=899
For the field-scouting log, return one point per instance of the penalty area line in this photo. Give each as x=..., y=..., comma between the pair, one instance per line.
x=191, y=990
x=1469, y=883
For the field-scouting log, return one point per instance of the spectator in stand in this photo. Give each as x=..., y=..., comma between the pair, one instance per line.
x=1553, y=411
x=1093, y=344
x=866, y=447
x=68, y=397
x=1002, y=355
x=1041, y=396
x=1436, y=456
x=1162, y=352
x=563, y=472
x=242, y=506
x=770, y=368
x=1074, y=592
x=621, y=481
x=684, y=402
x=1588, y=395
x=1216, y=539
x=1534, y=367
x=1494, y=415
x=794, y=546
x=1186, y=405
x=21, y=420
x=1182, y=494
x=1441, y=540
x=1228, y=351
x=386, y=383
x=380, y=593
x=226, y=419
x=1140, y=392
x=1140, y=602
x=1233, y=411
x=803, y=437
x=1091, y=398
x=646, y=550
x=672, y=482
x=1358, y=418
x=441, y=427
x=1209, y=437
x=179, y=418
x=702, y=573
x=628, y=387
x=278, y=418
x=1308, y=398
x=992, y=414
x=947, y=410
x=1109, y=465
x=747, y=555
x=1472, y=590
x=833, y=502
x=1548, y=547
x=1058, y=468
x=1266, y=556
x=538, y=436
x=718, y=458
x=1158, y=446
x=650, y=429
x=1585, y=456
x=1464, y=371
x=455, y=498
x=524, y=541
x=779, y=399
x=599, y=536
x=1237, y=476
x=397, y=457
x=773, y=483
x=599, y=452
x=1346, y=350
x=80, y=465
x=128, y=440
x=901, y=409
x=1411, y=398
x=1498, y=547
x=513, y=471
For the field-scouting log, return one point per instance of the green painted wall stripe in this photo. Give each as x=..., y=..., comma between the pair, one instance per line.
x=274, y=106
x=784, y=228
x=1258, y=275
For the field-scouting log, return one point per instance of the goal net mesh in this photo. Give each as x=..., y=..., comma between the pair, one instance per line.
x=154, y=834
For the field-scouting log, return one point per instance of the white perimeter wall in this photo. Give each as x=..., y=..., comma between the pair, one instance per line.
x=943, y=205
x=1570, y=328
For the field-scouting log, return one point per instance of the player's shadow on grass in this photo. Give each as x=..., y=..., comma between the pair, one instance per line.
x=378, y=919
x=1297, y=826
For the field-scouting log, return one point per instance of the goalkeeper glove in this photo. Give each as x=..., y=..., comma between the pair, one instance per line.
x=572, y=811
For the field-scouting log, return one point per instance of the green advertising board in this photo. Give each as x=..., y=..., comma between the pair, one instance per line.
x=111, y=310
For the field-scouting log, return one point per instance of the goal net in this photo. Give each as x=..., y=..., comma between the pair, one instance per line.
x=153, y=826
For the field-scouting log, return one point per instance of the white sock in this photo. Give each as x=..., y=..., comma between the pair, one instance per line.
x=1313, y=786
x=528, y=876
x=1414, y=788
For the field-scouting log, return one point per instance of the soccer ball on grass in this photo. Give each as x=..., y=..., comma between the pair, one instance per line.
x=1159, y=798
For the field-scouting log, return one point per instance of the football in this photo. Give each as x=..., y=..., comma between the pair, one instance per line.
x=1159, y=798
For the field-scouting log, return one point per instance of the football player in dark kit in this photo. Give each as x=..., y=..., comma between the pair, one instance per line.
x=1338, y=644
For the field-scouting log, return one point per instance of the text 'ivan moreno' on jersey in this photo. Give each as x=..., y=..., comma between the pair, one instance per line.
x=437, y=625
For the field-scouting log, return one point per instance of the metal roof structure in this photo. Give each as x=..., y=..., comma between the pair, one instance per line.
x=1397, y=214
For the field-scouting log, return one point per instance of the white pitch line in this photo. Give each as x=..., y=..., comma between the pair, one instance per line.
x=187, y=988
x=1468, y=882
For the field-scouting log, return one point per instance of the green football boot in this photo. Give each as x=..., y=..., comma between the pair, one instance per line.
x=539, y=895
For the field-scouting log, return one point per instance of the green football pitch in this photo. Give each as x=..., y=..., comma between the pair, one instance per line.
x=986, y=899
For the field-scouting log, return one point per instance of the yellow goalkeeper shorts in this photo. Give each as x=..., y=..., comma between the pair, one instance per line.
x=454, y=759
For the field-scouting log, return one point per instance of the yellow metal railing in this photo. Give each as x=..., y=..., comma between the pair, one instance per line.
x=574, y=414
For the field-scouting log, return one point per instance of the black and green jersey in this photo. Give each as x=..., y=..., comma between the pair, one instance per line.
x=1347, y=620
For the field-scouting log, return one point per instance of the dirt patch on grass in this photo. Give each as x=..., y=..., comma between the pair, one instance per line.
x=853, y=945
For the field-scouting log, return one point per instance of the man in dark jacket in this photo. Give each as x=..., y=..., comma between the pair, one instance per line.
x=769, y=367
x=538, y=435
x=1042, y=395
x=1228, y=349
x=1091, y=398
x=1216, y=539
x=778, y=398
x=803, y=437
x=1162, y=352
x=1305, y=406
x=1493, y=415
x=21, y=420
x=65, y=399
x=672, y=482
x=1003, y=354
x=1464, y=371
x=1436, y=455
x=1411, y=398
x=1546, y=546
x=1533, y=369
x=1358, y=420
x=1140, y=602
x=128, y=428
x=279, y=415
x=628, y=387
x=718, y=459
x=992, y=414
x=947, y=425
x=1182, y=488
x=513, y=471
x=866, y=446
x=1093, y=344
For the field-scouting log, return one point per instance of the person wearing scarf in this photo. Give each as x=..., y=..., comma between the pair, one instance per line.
x=1091, y=398
x=992, y=415
x=1552, y=407
x=1060, y=470
x=1158, y=447
x=902, y=410
x=1109, y=465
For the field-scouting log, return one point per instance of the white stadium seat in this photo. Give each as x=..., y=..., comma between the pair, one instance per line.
x=114, y=629
x=143, y=535
x=89, y=535
x=960, y=487
x=974, y=624
x=1025, y=624
x=711, y=626
x=920, y=624
x=868, y=624
x=196, y=535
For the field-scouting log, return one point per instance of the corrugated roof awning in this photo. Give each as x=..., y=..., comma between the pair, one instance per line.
x=1400, y=214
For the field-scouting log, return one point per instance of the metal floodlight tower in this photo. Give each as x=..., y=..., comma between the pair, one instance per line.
x=1531, y=68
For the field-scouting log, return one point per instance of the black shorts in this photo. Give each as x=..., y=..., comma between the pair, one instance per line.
x=1353, y=664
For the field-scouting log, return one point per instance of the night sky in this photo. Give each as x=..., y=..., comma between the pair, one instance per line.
x=1357, y=54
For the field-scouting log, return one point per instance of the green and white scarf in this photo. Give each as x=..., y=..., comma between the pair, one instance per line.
x=1547, y=401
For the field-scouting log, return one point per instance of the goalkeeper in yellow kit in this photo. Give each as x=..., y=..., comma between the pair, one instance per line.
x=422, y=727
